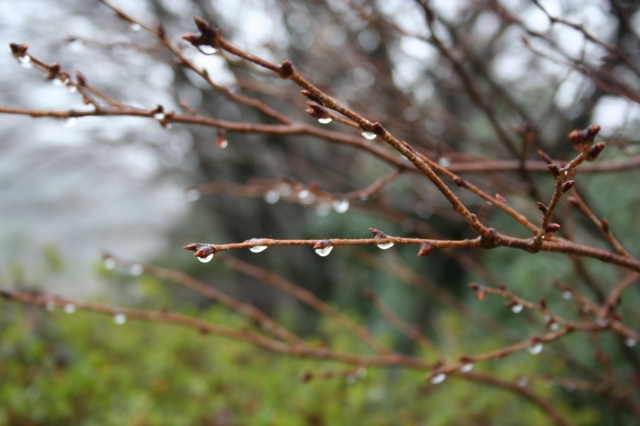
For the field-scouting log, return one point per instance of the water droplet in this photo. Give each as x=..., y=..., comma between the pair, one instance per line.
x=25, y=61
x=69, y=122
x=385, y=246
x=466, y=368
x=135, y=27
x=69, y=308
x=323, y=209
x=159, y=115
x=136, y=269
x=522, y=381
x=284, y=189
x=56, y=82
x=439, y=378
x=306, y=197
x=72, y=88
x=193, y=194
x=516, y=309
x=630, y=342
x=206, y=49
x=303, y=194
x=222, y=143
x=50, y=306
x=361, y=373
x=602, y=322
x=535, y=349
x=444, y=162
x=109, y=263
x=554, y=326
x=206, y=259
x=324, y=252
x=325, y=120
x=119, y=318
x=257, y=249
x=368, y=135
x=567, y=295
x=272, y=197
x=341, y=206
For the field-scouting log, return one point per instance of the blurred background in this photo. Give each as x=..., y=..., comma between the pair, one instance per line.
x=69, y=190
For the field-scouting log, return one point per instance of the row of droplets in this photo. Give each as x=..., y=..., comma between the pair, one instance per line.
x=68, y=308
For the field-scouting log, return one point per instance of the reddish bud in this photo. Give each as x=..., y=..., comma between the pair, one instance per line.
x=568, y=185
x=573, y=201
x=409, y=147
x=377, y=233
x=542, y=207
x=317, y=111
x=312, y=97
x=604, y=223
x=82, y=81
x=18, y=49
x=545, y=156
x=161, y=32
x=53, y=71
x=555, y=170
x=583, y=139
x=595, y=151
x=501, y=286
x=543, y=304
x=205, y=251
x=368, y=294
x=501, y=199
x=304, y=378
x=286, y=69
x=465, y=358
x=459, y=181
x=378, y=129
x=552, y=228
x=425, y=249
x=322, y=245
x=479, y=291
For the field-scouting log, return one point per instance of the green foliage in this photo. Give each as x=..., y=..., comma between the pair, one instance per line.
x=82, y=369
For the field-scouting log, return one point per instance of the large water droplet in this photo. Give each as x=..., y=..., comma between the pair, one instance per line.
x=206, y=259
x=119, y=318
x=109, y=263
x=272, y=197
x=368, y=135
x=303, y=194
x=69, y=308
x=439, y=378
x=222, y=143
x=630, y=342
x=324, y=252
x=159, y=116
x=206, y=49
x=69, y=122
x=325, y=120
x=25, y=61
x=72, y=88
x=341, y=206
x=554, y=326
x=50, y=306
x=136, y=269
x=135, y=27
x=385, y=246
x=257, y=249
x=193, y=194
x=466, y=368
x=56, y=82
x=567, y=295
x=516, y=309
x=535, y=349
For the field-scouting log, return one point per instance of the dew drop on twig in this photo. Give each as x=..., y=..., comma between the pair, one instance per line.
x=136, y=269
x=630, y=342
x=159, y=116
x=135, y=27
x=444, y=162
x=466, y=368
x=222, y=143
x=206, y=49
x=69, y=308
x=257, y=249
x=119, y=318
x=439, y=378
x=324, y=252
x=69, y=122
x=323, y=209
x=206, y=259
x=341, y=206
x=325, y=120
x=368, y=135
x=516, y=309
x=567, y=295
x=193, y=194
x=109, y=263
x=535, y=349
x=272, y=197
x=25, y=61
